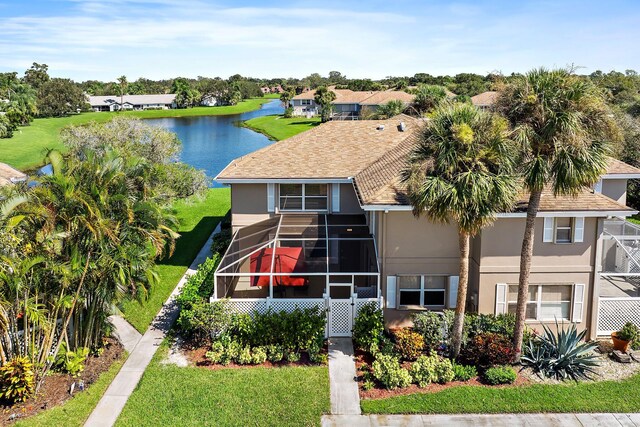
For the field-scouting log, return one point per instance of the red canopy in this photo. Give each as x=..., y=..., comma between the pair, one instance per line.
x=287, y=260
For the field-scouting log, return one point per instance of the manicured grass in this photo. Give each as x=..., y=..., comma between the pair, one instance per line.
x=606, y=396
x=278, y=128
x=171, y=396
x=74, y=412
x=26, y=149
x=198, y=219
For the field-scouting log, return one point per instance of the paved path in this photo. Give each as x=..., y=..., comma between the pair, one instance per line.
x=345, y=399
x=501, y=420
x=125, y=333
x=112, y=402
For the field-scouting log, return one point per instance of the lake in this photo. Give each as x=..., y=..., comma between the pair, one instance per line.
x=211, y=142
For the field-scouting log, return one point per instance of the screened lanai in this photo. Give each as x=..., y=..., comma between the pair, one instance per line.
x=300, y=256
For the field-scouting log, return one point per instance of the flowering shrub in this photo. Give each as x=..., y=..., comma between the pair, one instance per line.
x=408, y=344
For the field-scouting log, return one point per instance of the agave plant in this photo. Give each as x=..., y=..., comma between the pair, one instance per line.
x=563, y=355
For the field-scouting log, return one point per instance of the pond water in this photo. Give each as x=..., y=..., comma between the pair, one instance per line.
x=211, y=142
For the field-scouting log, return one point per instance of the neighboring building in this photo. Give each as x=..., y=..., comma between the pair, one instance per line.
x=322, y=220
x=133, y=102
x=273, y=89
x=485, y=100
x=211, y=101
x=9, y=175
x=348, y=104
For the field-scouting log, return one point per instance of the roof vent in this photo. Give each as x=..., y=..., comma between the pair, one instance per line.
x=402, y=127
x=380, y=127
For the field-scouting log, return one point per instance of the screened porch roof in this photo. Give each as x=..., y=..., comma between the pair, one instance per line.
x=325, y=244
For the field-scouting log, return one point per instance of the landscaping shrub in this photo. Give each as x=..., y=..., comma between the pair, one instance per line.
x=275, y=353
x=368, y=328
x=387, y=370
x=319, y=358
x=408, y=344
x=629, y=332
x=486, y=350
x=292, y=356
x=233, y=350
x=444, y=371
x=464, y=372
x=217, y=353
x=70, y=362
x=244, y=357
x=288, y=113
x=500, y=375
x=197, y=287
x=502, y=324
x=205, y=321
x=17, y=380
x=561, y=355
x=258, y=355
x=423, y=370
x=430, y=325
x=221, y=241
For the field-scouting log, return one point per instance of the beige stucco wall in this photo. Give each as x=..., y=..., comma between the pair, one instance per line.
x=615, y=189
x=248, y=204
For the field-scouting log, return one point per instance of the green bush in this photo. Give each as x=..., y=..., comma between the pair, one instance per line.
x=244, y=357
x=193, y=291
x=258, y=355
x=221, y=241
x=368, y=327
x=444, y=371
x=275, y=353
x=17, y=380
x=288, y=113
x=502, y=324
x=423, y=370
x=629, y=332
x=500, y=375
x=233, y=350
x=464, y=372
x=217, y=353
x=387, y=370
x=292, y=356
x=319, y=358
x=70, y=362
x=486, y=350
x=408, y=344
x=430, y=325
x=205, y=321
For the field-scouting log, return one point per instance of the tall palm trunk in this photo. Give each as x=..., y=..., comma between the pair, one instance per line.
x=463, y=281
x=526, y=256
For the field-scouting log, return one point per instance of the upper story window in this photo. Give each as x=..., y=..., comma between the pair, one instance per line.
x=303, y=197
x=563, y=230
x=305, y=102
x=421, y=291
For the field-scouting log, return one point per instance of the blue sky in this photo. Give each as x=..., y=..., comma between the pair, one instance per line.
x=103, y=39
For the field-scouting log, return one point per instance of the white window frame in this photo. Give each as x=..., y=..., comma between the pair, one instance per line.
x=421, y=290
x=556, y=228
x=305, y=102
x=539, y=302
x=304, y=197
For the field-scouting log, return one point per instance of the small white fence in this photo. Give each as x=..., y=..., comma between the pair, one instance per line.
x=613, y=313
x=340, y=312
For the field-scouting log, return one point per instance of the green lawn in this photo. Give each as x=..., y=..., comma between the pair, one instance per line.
x=171, y=396
x=606, y=396
x=278, y=128
x=26, y=149
x=198, y=219
x=74, y=412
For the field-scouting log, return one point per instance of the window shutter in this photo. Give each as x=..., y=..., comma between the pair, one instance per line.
x=453, y=291
x=271, y=197
x=578, y=302
x=501, y=298
x=578, y=229
x=391, y=291
x=548, y=229
x=598, y=187
x=335, y=197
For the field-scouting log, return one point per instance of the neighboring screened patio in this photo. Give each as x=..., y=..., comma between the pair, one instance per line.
x=300, y=256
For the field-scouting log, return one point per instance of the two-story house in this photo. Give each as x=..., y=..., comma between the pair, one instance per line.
x=322, y=219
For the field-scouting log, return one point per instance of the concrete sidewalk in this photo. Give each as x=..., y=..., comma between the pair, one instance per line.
x=112, y=402
x=497, y=420
x=345, y=398
x=125, y=333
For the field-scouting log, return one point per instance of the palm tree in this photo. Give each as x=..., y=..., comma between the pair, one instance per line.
x=461, y=170
x=324, y=97
x=428, y=97
x=122, y=84
x=562, y=123
x=390, y=109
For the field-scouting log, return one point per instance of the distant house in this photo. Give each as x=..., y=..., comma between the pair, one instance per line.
x=272, y=89
x=9, y=175
x=133, y=102
x=211, y=101
x=485, y=100
x=348, y=104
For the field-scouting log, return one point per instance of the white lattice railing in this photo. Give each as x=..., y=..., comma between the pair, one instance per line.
x=261, y=305
x=613, y=313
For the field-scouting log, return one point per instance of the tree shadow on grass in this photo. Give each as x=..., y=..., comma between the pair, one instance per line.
x=189, y=243
x=304, y=122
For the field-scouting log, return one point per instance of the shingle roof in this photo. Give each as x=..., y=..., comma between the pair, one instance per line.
x=485, y=98
x=347, y=96
x=337, y=149
x=9, y=175
x=133, y=99
x=617, y=167
x=380, y=98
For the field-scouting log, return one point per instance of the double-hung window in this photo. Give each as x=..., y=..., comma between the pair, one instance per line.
x=564, y=230
x=421, y=291
x=305, y=102
x=303, y=197
x=545, y=302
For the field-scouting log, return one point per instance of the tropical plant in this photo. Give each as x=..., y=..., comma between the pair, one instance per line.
x=368, y=327
x=464, y=372
x=324, y=97
x=390, y=109
x=122, y=86
x=629, y=332
x=17, y=380
x=500, y=375
x=428, y=97
x=433, y=368
x=561, y=355
x=488, y=349
x=562, y=123
x=462, y=171
x=286, y=96
x=71, y=362
x=387, y=370
x=258, y=355
x=430, y=325
x=408, y=344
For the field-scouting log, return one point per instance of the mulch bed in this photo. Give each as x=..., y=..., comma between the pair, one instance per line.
x=56, y=386
x=196, y=357
x=364, y=358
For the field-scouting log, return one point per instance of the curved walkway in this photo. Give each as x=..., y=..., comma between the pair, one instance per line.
x=112, y=402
